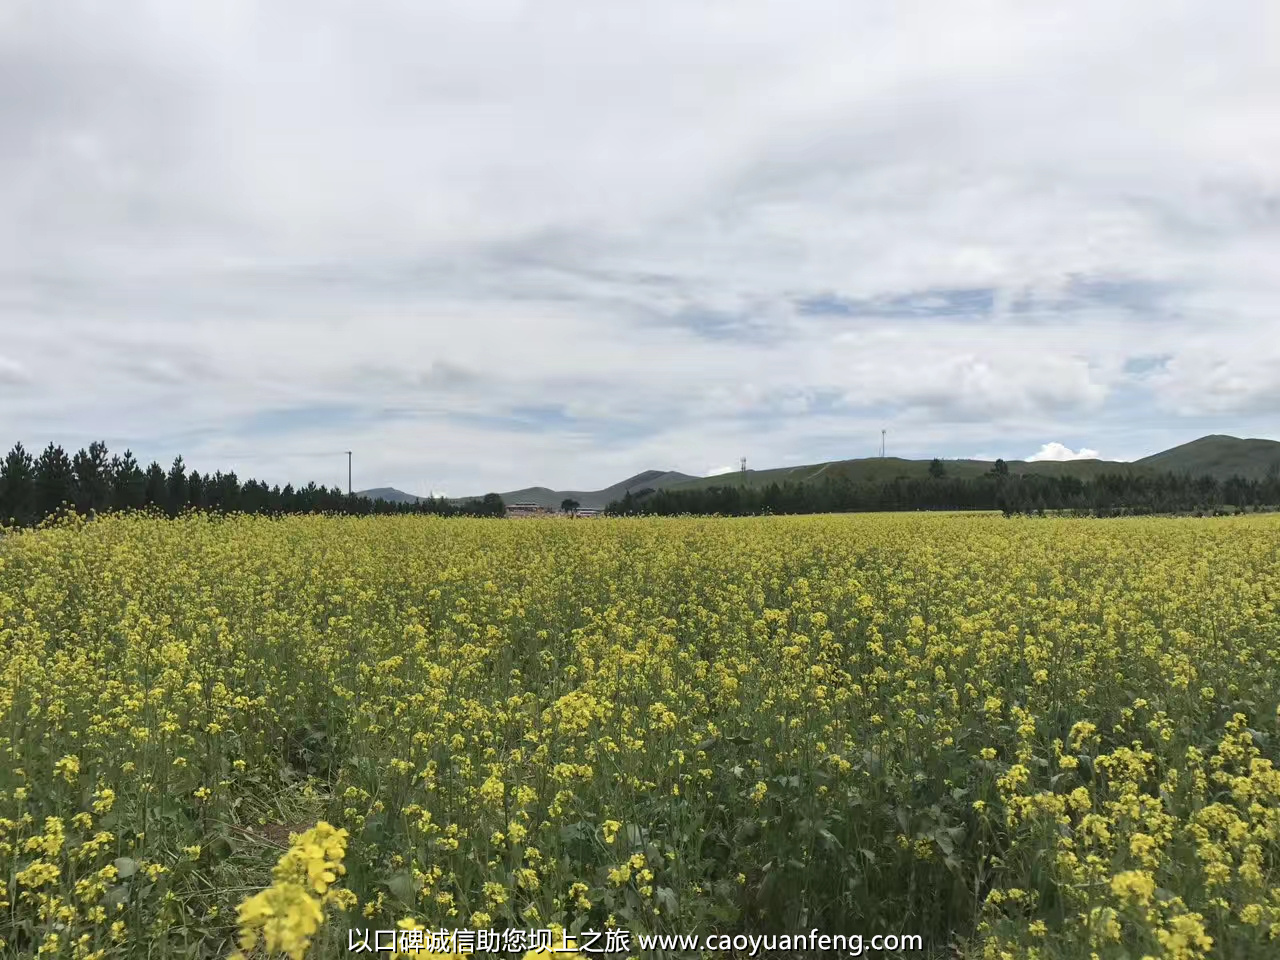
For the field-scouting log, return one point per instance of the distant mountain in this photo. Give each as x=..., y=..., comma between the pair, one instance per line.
x=890, y=468
x=598, y=499
x=1219, y=456
x=390, y=494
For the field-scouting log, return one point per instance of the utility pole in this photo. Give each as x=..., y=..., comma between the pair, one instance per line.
x=882, y=444
x=348, y=453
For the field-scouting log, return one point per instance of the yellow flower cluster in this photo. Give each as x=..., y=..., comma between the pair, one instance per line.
x=286, y=915
x=1036, y=739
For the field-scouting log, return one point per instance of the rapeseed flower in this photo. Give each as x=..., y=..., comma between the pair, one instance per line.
x=1075, y=720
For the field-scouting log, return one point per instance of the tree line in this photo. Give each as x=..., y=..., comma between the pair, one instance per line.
x=1104, y=495
x=93, y=480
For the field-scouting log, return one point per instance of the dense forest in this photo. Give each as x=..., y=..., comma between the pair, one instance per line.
x=1107, y=495
x=33, y=488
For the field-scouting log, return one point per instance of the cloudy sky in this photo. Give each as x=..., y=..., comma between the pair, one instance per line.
x=490, y=244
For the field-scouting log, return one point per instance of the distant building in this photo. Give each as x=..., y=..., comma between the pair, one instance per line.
x=588, y=512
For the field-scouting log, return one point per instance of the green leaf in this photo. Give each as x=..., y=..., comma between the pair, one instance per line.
x=667, y=897
x=125, y=867
x=404, y=888
x=577, y=832
x=116, y=895
x=637, y=836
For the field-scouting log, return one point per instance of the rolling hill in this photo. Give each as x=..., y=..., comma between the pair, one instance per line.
x=889, y=468
x=546, y=497
x=1217, y=455
x=390, y=494
x=647, y=479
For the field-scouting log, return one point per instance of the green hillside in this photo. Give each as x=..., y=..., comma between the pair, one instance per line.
x=389, y=494
x=1220, y=456
x=889, y=468
x=596, y=499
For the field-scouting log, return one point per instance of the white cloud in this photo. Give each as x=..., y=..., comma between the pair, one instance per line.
x=499, y=244
x=717, y=471
x=12, y=372
x=1056, y=451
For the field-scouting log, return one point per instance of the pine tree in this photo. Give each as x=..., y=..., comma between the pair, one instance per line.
x=128, y=483
x=17, y=487
x=230, y=492
x=92, y=478
x=196, y=490
x=176, y=487
x=54, y=481
x=153, y=487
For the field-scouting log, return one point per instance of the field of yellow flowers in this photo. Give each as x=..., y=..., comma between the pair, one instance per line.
x=1019, y=738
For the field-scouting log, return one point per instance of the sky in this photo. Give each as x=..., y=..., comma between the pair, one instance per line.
x=485, y=245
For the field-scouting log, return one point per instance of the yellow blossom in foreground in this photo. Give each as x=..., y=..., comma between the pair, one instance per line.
x=1041, y=739
x=287, y=915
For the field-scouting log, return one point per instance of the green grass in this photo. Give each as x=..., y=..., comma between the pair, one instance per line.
x=1219, y=456
x=890, y=468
